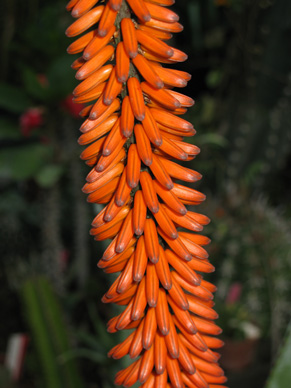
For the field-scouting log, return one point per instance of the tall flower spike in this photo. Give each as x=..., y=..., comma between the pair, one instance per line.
x=132, y=131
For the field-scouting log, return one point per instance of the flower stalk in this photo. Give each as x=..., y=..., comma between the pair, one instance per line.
x=133, y=129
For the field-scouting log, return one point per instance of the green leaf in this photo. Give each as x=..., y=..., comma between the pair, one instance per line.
x=281, y=374
x=61, y=77
x=24, y=162
x=9, y=130
x=33, y=86
x=49, y=175
x=13, y=99
x=212, y=139
x=213, y=78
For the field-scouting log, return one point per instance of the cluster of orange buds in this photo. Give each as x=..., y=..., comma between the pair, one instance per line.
x=134, y=126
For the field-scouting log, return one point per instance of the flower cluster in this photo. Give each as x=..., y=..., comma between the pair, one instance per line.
x=134, y=129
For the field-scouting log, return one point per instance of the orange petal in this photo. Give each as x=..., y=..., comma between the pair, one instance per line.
x=95, y=63
x=154, y=44
x=163, y=270
x=85, y=22
x=123, y=190
x=98, y=131
x=140, y=301
x=139, y=213
x=126, y=279
x=112, y=209
x=161, y=173
x=162, y=96
x=174, y=372
x=140, y=9
x=199, y=291
x=93, y=149
x=182, y=268
x=179, y=172
x=150, y=328
x=143, y=145
x=147, y=364
x=172, y=341
x=133, y=166
x=183, y=317
x=99, y=108
x=185, y=358
x=129, y=37
x=71, y=4
x=112, y=89
x=160, y=354
x=149, y=192
x=91, y=95
x=136, y=98
x=178, y=295
x=162, y=313
x=105, y=161
x=97, y=44
x=198, y=308
x=207, y=355
x=195, y=249
x=94, y=175
x=163, y=14
x=147, y=71
x=194, y=338
x=107, y=20
x=120, y=216
x=207, y=327
x=79, y=44
x=207, y=367
x=133, y=376
x=176, y=245
x=113, y=139
x=120, y=257
x=127, y=118
x=170, y=120
x=161, y=379
x=168, y=27
x=170, y=148
x=169, y=198
x=185, y=101
x=212, y=342
x=152, y=285
x=151, y=129
x=82, y=7
x=151, y=240
x=122, y=63
x=124, y=318
x=140, y=260
x=165, y=223
x=183, y=220
x=125, y=235
x=137, y=346
x=122, y=349
x=104, y=179
x=78, y=63
x=115, y=4
x=156, y=33
x=171, y=77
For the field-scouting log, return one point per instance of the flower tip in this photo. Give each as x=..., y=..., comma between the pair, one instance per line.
x=121, y=79
x=102, y=33
x=132, y=54
x=75, y=13
x=170, y=52
x=86, y=56
x=170, y=185
x=148, y=162
x=107, y=217
x=146, y=17
x=107, y=101
x=106, y=152
x=79, y=75
x=158, y=142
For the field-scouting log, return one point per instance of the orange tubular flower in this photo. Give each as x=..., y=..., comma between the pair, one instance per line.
x=132, y=131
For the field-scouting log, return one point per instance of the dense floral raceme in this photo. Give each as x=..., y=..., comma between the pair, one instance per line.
x=133, y=131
